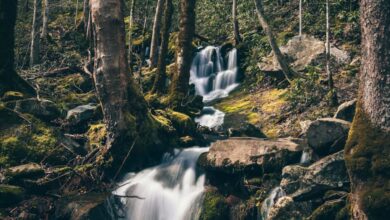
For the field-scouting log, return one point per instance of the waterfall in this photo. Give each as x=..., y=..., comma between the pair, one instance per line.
x=169, y=191
x=211, y=77
x=272, y=198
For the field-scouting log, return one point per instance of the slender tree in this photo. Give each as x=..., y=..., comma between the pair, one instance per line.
x=179, y=86
x=85, y=15
x=9, y=79
x=236, y=29
x=45, y=19
x=332, y=91
x=288, y=72
x=367, y=151
x=130, y=37
x=161, y=77
x=75, y=13
x=155, y=34
x=300, y=18
x=124, y=108
x=35, y=40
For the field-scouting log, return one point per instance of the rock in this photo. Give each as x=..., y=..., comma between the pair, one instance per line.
x=42, y=108
x=326, y=174
x=327, y=135
x=82, y=113
x=246, y=130
x=181, y=122
x=89, y=206
x=328, y=210
x=214, y=206
x=12, y=96
x=25, y=171
x=285, y=209
x=346, y=111
x=251, y=154
x=302, y=52
x=10, y=195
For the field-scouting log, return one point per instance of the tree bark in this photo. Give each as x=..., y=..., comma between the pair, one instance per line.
x=179, y=86
x=367, y=150
x=300, y=18
x=161, y=77
x=45, y=20
x=155, y=34
x=9, y=79
x=130, y=54
x=85, y=15
x=124, y=108
x=35, y=40
x=236, y=29
x=288, y=73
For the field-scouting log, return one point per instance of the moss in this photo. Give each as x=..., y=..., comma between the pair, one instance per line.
x=328, y=210
x=96, y=135
x=367, y=155
x=214, y=206
x=12, y=95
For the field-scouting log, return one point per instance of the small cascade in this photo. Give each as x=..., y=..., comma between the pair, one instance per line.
x=272, y=198
x=169, y=191
x=306, y=156
x=211, y=117
x=211, y=77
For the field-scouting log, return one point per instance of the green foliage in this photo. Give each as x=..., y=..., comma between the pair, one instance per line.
x=214, y=206
x=306, y=91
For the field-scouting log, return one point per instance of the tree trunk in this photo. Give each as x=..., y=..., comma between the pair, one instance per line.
x=75, y=13
x=236, y=29
x=332, y=91
x=161, y=77
x=367, y=151
x=300, y=18
x=288, y=73
x=35, y=41
x=85, y=15
x=130, y=54
x=155, y=34
x=45, y=19
x=9, y=79
x=124, y=108
x=179, y=86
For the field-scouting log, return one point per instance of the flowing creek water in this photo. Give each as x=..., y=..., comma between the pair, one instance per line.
x=173, y=190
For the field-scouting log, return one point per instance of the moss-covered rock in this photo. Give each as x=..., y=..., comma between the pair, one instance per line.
x=214, y=206
x=10, y=195
x=96, y=136
x=328, y=210
x=12, y=96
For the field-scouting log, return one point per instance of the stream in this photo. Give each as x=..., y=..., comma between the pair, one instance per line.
x=173, y=190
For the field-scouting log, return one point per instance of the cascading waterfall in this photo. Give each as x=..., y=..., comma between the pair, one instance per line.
x=213, y=79
x=169, y=191
x=272, y=198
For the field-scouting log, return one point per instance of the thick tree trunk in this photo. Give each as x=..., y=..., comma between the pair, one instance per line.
x=35, y=40
x=45, y=19
x=288, y=73
x=155, y=34
x=9, y=79
x=161, y=77
x=130, y=37
x=179, y=86
x=124, y=109
x=236, y=29
x=367, y=151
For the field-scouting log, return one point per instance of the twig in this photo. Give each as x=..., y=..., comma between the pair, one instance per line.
x=125, y=196
x=124, y=160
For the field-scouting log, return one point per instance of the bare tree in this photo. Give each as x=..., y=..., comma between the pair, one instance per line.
x=179, y=86
x=130, y=37
x=288, y=72
x=161, y=77
x=155, y=34
x=236, y=29
x=332, y=92
x=367, y=151
x=300, y=18
x=45, y=19
x=35, y=40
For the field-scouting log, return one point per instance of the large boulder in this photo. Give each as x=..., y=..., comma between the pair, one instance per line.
x=346, y=111
x=286, y=209
x=41, y=108
x=327, y=135
x=82, y=113
x=329, y=210
x=251, y=155
x=302, y=183
x=303, y=51
x=10, y=195
x=84, y=207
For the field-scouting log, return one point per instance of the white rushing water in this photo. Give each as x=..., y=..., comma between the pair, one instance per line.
x=272, y=198
x=211, y=76
x=214, y=77
x=169, y=191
